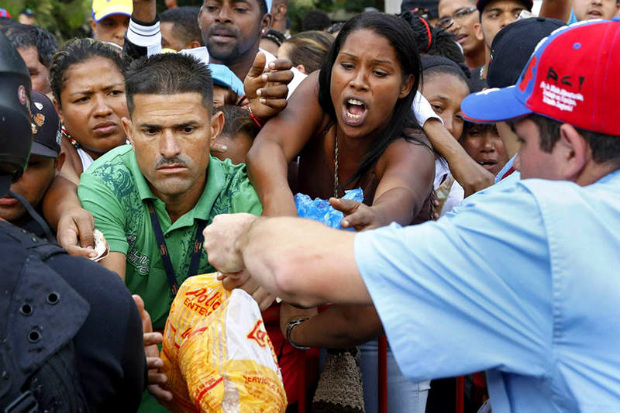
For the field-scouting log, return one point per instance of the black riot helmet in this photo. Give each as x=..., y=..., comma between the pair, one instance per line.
x=15, y=123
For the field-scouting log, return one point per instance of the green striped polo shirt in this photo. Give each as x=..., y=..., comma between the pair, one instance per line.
x=114, y=190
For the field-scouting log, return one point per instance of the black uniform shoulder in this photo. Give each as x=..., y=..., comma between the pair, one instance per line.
x=108, y=346
x=111, y=359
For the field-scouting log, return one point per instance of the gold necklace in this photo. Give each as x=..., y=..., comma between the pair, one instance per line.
x=336, y=183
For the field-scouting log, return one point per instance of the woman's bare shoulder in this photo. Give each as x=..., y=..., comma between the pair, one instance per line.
x=302, y=119
x=412, y=147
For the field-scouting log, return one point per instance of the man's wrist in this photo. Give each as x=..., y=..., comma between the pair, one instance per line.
x=244, y=239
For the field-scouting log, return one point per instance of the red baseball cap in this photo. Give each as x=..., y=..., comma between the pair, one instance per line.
x=572, y=77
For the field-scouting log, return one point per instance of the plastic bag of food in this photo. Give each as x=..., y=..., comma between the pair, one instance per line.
x=217, y=354
x=320, y=209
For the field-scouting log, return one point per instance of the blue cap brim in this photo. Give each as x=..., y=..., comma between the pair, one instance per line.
x=493, y=105
x=223, y=76
x=235, y=86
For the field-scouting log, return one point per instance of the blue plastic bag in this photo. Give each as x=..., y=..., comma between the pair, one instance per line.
x=320, y=209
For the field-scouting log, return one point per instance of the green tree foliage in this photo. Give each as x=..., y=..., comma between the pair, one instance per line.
x=66, y=19
x=297, y=9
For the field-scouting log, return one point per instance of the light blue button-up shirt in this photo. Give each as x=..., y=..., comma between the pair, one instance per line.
x=524, y=282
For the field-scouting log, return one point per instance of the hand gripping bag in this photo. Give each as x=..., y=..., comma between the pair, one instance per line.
x=217, y=354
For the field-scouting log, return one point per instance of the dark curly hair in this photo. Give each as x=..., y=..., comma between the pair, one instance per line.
x=24, y=36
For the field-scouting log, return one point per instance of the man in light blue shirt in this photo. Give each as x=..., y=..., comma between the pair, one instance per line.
x=523, y=282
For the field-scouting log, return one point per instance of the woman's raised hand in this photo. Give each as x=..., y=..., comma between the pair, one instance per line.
x=267, y=89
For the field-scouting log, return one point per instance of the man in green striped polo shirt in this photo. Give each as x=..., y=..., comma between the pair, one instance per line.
x=164, y=183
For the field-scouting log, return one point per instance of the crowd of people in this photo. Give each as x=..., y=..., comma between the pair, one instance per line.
x=486, y=143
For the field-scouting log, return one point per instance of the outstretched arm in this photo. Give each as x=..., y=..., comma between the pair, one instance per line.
x=143, y=36
x=406, y=181
x=556, y=9
x=144, y=10
x=339, y=326
x=279, y=141
x=64, y=212
x=468, y=173
x=301, y=261
x=472, y=176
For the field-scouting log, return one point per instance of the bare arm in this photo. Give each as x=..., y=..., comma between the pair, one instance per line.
x=301, y=261
x=337, y=327
x=60, y=197
x=466, y=171
x=406, y=180
x=556, y=9
x=117, y=262
x=304, y=262
x=63, y=210
x=407, y=171
x=509, y=139
x=280, y=140
x=144, y=10
x=74, y=225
